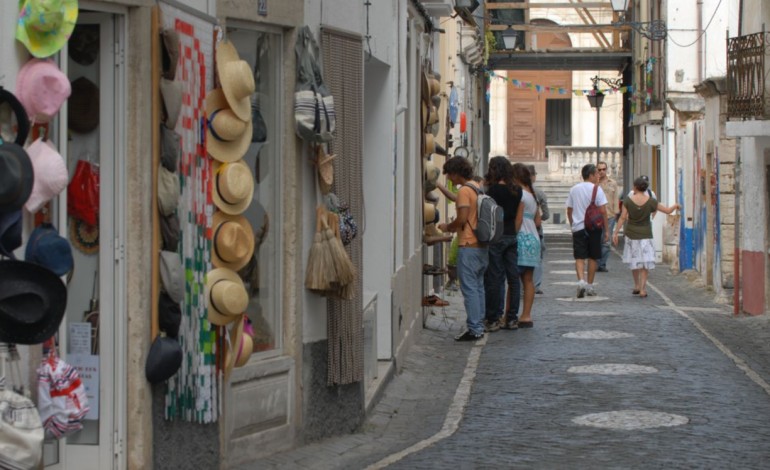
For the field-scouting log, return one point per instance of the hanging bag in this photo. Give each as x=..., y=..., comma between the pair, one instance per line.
x=21, y=431
x=594, y=220
x=313, y=104
x=62, y=397
x=83, y=193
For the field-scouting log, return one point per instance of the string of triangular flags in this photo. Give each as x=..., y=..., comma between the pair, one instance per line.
x=559, y=90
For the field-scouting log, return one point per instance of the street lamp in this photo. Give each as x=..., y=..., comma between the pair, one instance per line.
x=596, y=99
x=509, y=38
x=655, y=30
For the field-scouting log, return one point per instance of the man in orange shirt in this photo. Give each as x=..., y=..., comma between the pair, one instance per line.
x=472, y=257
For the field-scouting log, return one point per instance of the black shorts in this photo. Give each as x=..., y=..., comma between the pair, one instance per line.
x=587, y=244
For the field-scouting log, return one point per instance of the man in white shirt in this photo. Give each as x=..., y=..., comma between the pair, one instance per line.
x=586, y=244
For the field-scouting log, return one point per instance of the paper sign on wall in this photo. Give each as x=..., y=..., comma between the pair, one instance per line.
x=80, y=338
x=87, y=366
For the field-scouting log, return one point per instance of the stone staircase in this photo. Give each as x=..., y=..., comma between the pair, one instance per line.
x=557, y=191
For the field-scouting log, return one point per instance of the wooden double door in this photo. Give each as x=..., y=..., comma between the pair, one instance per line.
x=537, y=119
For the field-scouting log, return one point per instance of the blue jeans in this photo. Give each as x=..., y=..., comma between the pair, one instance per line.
x=503, y=258
x=606, y=245
x=471, y=266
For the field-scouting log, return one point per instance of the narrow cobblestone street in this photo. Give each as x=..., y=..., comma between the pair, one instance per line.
x=673, y=380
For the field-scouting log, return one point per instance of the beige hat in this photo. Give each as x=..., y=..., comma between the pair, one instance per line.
x=429, y=147
x=429, y=213
x=240, y=348
x=430, y=174
x=168, y=191
x=233, y=187
x=227, y=136
x=325, y=170
x=432, y=115
x=171, y=91
x=226, y=296
x=236, y=78
x=433, y=85
x=232, y=242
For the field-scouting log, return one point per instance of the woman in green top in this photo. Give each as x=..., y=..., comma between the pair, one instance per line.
x=638, y=250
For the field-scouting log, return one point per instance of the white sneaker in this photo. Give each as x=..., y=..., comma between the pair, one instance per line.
x=590, y=291
x=581, y=290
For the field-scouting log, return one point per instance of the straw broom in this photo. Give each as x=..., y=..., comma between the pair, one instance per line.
x=346, y=272
x=315, y=278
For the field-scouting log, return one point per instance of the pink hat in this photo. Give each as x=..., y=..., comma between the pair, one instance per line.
x=42, y=88
x=51, y=174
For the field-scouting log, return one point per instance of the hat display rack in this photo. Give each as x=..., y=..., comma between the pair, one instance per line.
x=230, y=132
x=30, y=177
x=431, y=171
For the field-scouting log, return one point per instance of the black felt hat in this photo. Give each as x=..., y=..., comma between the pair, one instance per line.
x=32, y=302
x=169, y=315
x=22, y=119
x=16, y=177
x=163, y=360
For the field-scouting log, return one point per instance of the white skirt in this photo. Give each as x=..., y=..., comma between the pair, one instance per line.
x=639, y=254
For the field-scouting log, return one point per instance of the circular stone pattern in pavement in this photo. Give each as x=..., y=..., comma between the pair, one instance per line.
x=630, y=420
x=588, y=313
x=597, y=334
x=612, y=369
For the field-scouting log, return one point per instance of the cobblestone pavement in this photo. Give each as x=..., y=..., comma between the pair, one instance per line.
x=615, y=381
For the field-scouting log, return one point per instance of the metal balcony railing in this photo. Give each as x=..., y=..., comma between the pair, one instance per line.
x=746, y=76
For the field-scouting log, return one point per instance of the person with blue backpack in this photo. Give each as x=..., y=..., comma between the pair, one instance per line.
x=503, y=254
x=472, y=255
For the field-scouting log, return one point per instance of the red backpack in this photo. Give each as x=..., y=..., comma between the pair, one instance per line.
x=594, y=220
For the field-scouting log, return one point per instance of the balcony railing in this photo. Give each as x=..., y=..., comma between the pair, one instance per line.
x=746, y=82
x=565, y=163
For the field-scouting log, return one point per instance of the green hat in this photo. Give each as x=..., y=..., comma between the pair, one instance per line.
x=45, y=25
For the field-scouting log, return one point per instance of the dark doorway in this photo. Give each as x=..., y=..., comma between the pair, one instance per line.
x=558, y=122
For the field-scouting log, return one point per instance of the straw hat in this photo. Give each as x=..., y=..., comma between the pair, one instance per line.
x=226, y=296
x=45, y=25
x=240, y=348
x=233, y=241
x=429, y=146
x=236, y=78
x=430, y=174
x=325, y=170
x=433, y=85
x=429, y=213
x=227, y=136
x=425, y=88
x=42, y=88
x=233, y=188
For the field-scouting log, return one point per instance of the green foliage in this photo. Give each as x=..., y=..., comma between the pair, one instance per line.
x=453, y=248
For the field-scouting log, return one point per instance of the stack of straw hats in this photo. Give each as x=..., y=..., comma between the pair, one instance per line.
x=228, y=136
x=431, y=169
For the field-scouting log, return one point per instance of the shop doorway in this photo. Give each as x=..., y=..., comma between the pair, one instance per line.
x=92, y=335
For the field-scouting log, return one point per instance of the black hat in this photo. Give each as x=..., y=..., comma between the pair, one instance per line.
x=169, y=231
x=16, y=177
x=169, y=315
x=163, y=360
x=22, y=119
x=10, y=233
x=83, y=45
x=32, y=302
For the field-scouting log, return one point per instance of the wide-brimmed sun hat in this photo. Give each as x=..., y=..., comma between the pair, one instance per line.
x=233, y=187
x=226, y=296
x=44, y=26
x=236, y=78
x=232, y=241
x=227, y=136
x=17, y=177
x=42, y=89
x=32, y=302
x=51, y=175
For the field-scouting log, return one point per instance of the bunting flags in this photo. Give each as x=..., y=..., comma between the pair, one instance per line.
x=559, y=90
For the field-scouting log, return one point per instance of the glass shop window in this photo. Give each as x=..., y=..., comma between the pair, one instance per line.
x=262, y=276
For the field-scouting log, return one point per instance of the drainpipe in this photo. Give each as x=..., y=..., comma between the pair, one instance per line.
x=699, y=15
x=737, y=253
